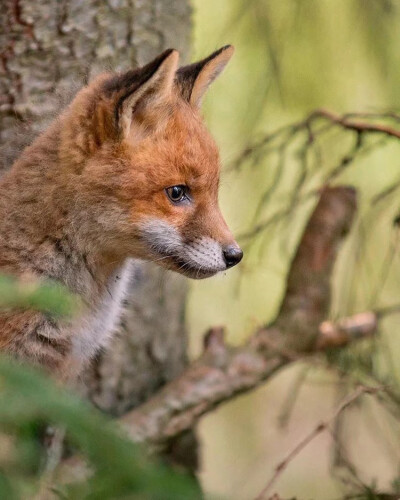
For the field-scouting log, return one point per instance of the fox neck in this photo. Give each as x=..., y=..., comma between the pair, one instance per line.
x=45, y=216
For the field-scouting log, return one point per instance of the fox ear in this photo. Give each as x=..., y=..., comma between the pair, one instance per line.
x=140, y=94
x=194, y=80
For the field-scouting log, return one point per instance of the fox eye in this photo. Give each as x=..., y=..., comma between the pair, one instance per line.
x=177, y=193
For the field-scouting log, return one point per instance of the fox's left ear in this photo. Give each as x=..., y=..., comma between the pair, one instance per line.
x=140, y=97
x=194, y=80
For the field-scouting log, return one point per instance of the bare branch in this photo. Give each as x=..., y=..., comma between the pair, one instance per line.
x=351, y=122
x=357, y=122
x=309, y=130
x=322, y=426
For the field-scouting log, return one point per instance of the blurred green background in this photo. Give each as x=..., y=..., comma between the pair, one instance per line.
x=291, y=58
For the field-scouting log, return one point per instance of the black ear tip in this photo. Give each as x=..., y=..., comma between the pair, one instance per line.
x=229, y=47
x=164, y=55
x=169, y=51
x=226, y=49
x=149, y=69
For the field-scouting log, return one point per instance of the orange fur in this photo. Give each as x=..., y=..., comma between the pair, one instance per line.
x=90, y=193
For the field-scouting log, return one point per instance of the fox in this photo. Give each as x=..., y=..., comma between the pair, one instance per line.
x=127, y=172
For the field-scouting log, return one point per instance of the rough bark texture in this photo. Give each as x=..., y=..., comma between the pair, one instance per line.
x=48, y=49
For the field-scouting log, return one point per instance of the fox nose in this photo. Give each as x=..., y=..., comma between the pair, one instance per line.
x=232, y=255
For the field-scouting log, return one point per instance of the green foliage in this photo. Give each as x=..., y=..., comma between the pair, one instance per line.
x=48, y=297
x=29, y=401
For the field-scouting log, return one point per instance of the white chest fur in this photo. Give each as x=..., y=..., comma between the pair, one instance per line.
x=96, y=328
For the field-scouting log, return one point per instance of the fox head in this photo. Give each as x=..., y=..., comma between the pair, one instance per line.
x=151, y=167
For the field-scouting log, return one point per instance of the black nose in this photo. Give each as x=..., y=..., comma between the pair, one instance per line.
x=232, y=255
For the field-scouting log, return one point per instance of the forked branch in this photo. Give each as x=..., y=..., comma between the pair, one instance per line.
x=224, y=371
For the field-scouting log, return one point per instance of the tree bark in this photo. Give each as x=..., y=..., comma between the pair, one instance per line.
x=48, y=50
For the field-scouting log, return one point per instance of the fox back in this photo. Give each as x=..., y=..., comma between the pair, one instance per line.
x=127, y=171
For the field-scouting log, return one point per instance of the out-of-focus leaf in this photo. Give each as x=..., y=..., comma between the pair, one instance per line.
x=28, y=400
x=48, y=297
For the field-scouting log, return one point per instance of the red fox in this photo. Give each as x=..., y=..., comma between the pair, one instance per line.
x=127, y=171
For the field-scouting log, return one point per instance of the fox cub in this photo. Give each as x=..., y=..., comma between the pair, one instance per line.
x=128, y=170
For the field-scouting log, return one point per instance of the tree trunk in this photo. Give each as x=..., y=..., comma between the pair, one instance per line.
x=49, y=48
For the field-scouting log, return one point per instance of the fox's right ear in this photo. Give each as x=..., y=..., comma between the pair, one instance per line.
x=140, y=95
x=193, y=80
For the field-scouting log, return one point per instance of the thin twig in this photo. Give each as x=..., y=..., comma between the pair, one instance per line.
x=350, y=121
x=322, y=426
